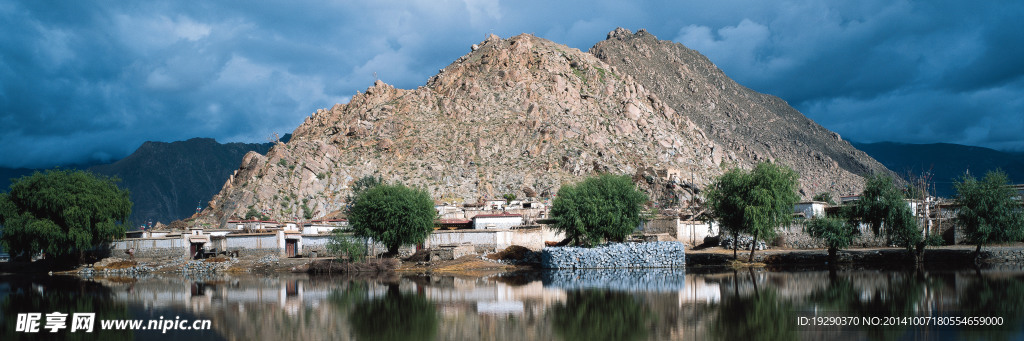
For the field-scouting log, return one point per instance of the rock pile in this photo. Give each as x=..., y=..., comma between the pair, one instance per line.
x=616, y=255
x=202, y=267
x=514, y=255
x=268, y=259
x=116, y=266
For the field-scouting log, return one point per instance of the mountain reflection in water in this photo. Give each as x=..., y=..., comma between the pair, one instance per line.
x=564, y=305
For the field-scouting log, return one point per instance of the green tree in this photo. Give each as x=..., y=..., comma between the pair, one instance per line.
x=755, y=202
x=62, y=212
x=882, y=207
x=836, y=234
x=606, y=207
x=393, y=215
x=362, y=184
x=988, y=211
x=825, y=197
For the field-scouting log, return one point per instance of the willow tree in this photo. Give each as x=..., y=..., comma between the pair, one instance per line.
x=988, y=211
x=755, y=202
x=882, y=207
x=62, y=212
x=393, y=215
x=606, y=207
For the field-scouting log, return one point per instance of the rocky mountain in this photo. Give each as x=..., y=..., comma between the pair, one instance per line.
x=169, y=180
x=744, y=124
x=525, y=115
x=947, y=162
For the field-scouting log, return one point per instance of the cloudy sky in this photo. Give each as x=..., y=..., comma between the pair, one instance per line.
x=91, y=80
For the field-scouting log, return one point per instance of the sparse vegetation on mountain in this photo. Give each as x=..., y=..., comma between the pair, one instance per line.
x=825, y=197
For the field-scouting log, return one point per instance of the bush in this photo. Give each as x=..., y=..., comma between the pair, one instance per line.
x=836, y=233
x=606, y=207
x=349, y=247
x=935, y=240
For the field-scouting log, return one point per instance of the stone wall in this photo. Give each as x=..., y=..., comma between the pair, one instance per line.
x=149, y=248
x=689, y=232
x=252, y=241
x=617, y=255
x=315, y=243
x=534, y=238
x=661, y=225
x=795, y=237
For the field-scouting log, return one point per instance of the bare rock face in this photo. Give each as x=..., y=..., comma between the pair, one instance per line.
x=525, y=115
x=748, y=125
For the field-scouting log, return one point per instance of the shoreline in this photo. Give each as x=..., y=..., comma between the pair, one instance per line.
x=938, y=257
x=709, y=259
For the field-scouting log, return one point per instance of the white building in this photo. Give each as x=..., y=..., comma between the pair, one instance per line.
x=323, y=226
x=810, y=209
x=497, y=221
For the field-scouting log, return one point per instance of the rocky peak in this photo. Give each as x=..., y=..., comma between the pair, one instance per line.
x=753, y=126
x=521, y=115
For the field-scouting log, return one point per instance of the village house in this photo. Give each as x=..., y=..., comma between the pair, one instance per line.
x=252, y=225
x=495, y=204
x=497, y=221
x=809, y=209
x=324, y=226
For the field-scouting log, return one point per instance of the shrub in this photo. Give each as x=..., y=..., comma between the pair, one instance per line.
x=348, y=246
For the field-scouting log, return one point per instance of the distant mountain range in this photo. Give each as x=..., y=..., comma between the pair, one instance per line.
x=168, y=180
x=947, y=162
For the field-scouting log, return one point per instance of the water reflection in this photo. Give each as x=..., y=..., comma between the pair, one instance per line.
x=894, y=295
x=601, y=315
x=1003, y=297
x=66, y=295
x=573, y=305
x=395, y=316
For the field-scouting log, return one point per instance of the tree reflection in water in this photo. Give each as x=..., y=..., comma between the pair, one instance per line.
x=601, y=315
x=60, y=294
x=994, y=297
x=761, y=315
x=900, y=296
x=394, y=316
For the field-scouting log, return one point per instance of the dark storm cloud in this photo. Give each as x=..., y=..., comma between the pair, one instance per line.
x=83, y=81
x=921, y=72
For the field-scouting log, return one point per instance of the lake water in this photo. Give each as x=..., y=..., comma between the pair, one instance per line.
x=554, y=305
